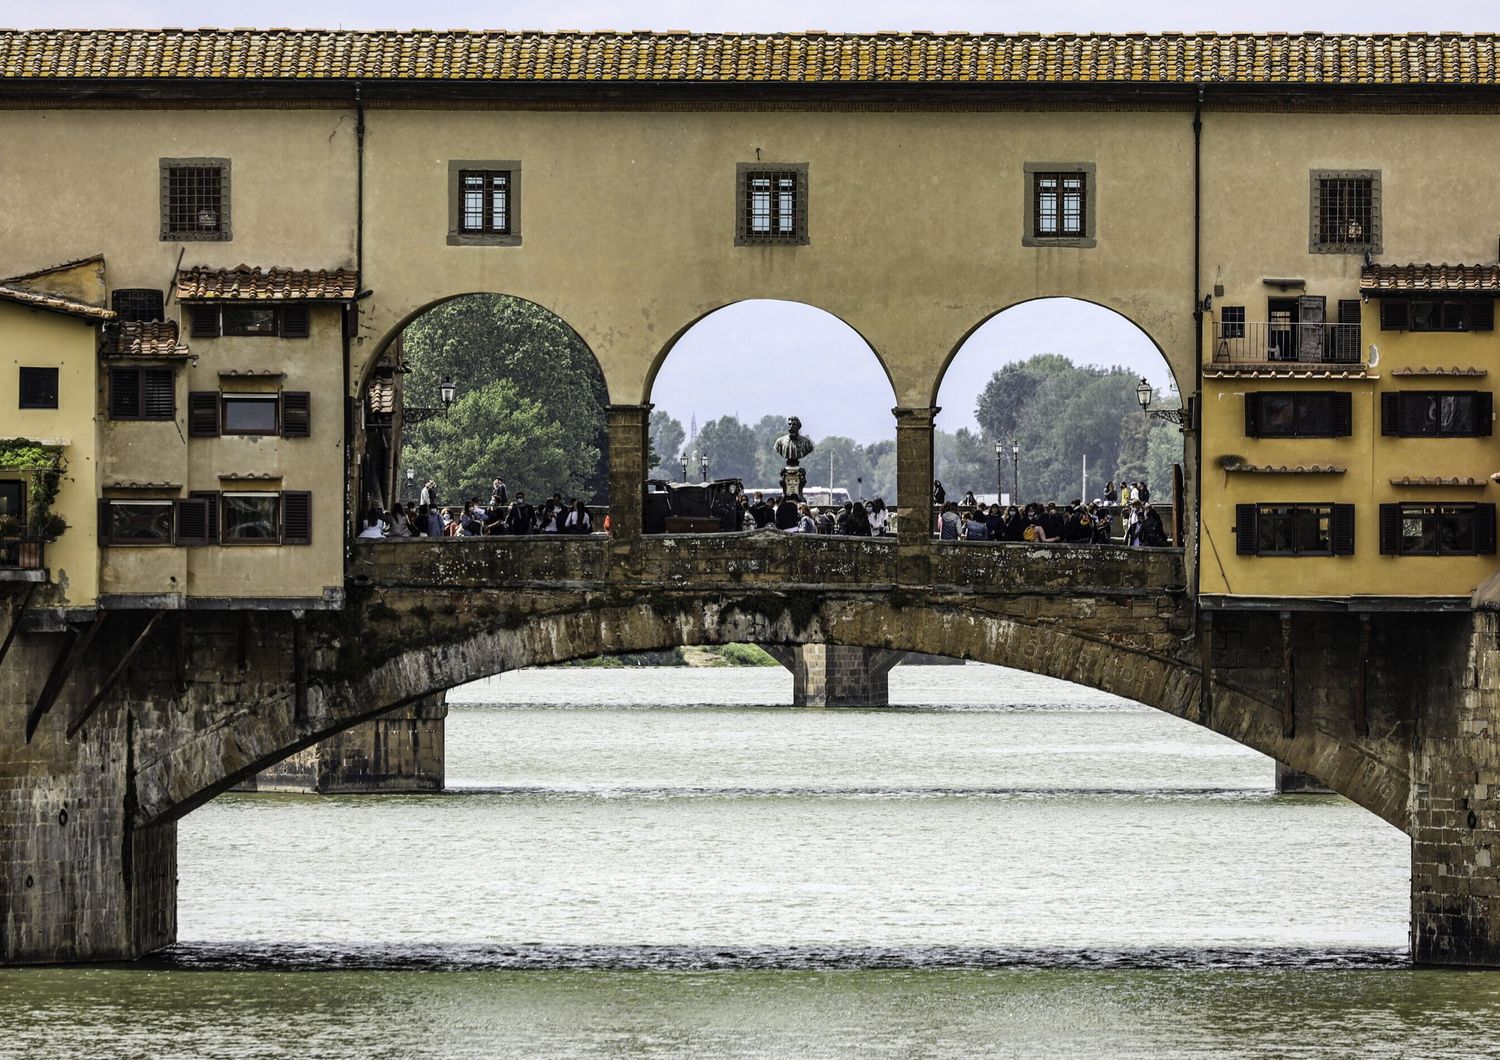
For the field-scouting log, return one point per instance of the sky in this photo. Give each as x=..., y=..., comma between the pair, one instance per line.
x=705, y=375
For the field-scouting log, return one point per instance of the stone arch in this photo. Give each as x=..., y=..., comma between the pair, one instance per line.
x=428, y=658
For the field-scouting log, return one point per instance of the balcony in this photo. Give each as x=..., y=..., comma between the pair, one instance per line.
x=1286, y=343
x=20, y=556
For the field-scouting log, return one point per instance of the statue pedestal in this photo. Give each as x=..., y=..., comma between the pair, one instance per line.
x=793, y=480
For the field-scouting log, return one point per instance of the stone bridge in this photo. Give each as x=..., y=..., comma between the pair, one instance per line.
x=1375, y=709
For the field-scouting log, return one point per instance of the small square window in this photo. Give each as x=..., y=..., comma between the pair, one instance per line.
x=770, y=204
x=1060, y=204
x=484, y=203
x=194, y=199
x=1232, y=322
x=38, y=388
x=1345, y=211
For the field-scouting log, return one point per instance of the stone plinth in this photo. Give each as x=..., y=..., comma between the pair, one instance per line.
x=834, y=675
x=1291, y=782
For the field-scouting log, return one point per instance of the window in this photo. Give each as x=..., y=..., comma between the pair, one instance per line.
x=194, y=199
x=251, y=518
x=1436, y=414
x=1428, y=314
x=1437, y=529
x=142, y=394
x=771, y=204
x=484, y=203
x=38, y=388
x=1294, y=529
x=1345, y=211
x=282, y=321
x=248, y=414
x=136, y=522
x=288, y=413
x=1059, y=207
x=137, y=303
x=1232, y=322
x=1298, y=415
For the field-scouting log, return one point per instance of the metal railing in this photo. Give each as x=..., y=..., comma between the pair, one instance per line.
x=1274, y=342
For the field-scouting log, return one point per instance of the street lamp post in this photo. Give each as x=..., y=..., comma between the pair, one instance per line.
x=703, y=467
x=1143, y=394
x=1015, y=471
x=683, y=461
x=999, y=470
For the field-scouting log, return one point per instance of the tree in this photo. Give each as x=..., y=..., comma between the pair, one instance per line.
x=730, y=448
x=666, y=443
x=477, y=339
x=495, y=430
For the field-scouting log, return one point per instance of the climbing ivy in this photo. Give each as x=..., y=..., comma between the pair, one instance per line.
x=46, y=466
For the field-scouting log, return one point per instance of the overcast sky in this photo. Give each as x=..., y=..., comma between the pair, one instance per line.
x=795, y=348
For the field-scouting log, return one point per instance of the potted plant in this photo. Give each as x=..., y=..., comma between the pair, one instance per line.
x=10, y=526
x=53, y=526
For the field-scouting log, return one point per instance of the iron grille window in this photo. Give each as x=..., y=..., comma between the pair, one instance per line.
x=38, y=388
x=1437, y=529
x=137, y=303
x=1061, y=204
x=484, y=202
x=1311, y=414
x=1232, y=322
x=1437, y=413
x=1294, y=529
x=142, y=394
x=1346, y=211
x=195, y=199
x=772, y=205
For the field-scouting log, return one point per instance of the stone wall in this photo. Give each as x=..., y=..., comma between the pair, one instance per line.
x=395, y=753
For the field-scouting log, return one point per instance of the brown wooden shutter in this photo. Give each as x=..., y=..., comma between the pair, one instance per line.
x=1252, y=415
x=192, y=521
x=296, y=517
x=1341, y=534
x=1245, y=529
x=1390, y=529
x=296, y=413
x=210, y=499
x=1395, y=314
x=1484, y=529
x=1481, y=315
x=203, y=414
x=203, y=321
x=1484, y=413
x=124, y=393
x=1343, y=413
x=159, y=394
x=294, y=321
x=1390, y=413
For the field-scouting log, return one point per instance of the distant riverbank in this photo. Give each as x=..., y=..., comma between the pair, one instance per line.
x=697, y=656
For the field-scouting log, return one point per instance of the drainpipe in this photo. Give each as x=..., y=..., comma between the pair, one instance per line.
x=351, y=310
x=1197, y=339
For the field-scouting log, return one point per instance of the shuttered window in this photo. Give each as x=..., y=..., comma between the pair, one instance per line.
x=1437, y=413
x=250, y=321
x=192, y=521
x=1294, y=529
x=296, y=414
x=210, y=499
x=1437, y=314
x=1429, y=529
x=203, y=414
x=136, y=522
x=296, y=517
x=1312, y=414
x=250, y=518
x=142, y=394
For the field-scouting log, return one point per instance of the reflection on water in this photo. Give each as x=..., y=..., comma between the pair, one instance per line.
x=653, y=862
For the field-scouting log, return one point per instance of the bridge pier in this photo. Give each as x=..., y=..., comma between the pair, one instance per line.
x=837, y=675
x=1292, y=782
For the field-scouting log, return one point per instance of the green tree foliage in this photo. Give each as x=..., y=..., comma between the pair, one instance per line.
x=494, y=428
x=667, y=434
x=730, y=447
x=480, y=339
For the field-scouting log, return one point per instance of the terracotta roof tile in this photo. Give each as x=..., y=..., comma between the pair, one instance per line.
x=1438, y=482
x=1423, y=370
x=1246, y=370
x=1285, y=469
x=133, y=485
x=1377, y=279
x=137, y=338
x=243, y=284
x=55, y=303
x=382, y=394
x=816, y=57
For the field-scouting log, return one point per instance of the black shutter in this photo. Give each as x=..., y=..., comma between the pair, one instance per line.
x=192, y=522
x=296, y=517
x=104, y=522
x=210, y=499
x=1342, y=535
x=296, y=414
x=1484, y=529
x=203, y=414
x=1252, y=415
x=1481, y=314
x=1245, y=529
x=160, y=390
x=294, y=321
x=1390, y=529
x=1342, y=403
x=203, y=321
x=1395, y=314
x=124, y=393
x=1390, y=413
x=1484, y=413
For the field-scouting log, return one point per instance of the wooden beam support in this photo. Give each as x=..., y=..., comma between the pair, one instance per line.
x=1288, y=683
x=67, y=660
x=114, y=675
x=15, y=624
x=1361, y=678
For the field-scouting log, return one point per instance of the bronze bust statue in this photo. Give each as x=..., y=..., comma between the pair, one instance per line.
x=793, y=445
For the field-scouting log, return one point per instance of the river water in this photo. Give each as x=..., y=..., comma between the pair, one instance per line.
x=657, y=863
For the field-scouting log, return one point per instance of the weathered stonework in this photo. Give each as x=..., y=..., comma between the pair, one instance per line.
x=837, y=675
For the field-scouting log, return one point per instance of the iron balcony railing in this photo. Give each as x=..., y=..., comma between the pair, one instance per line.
x=23, y=554
x=1275, y=342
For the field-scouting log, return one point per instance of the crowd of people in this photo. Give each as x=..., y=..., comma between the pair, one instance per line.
x=499, y=515
x=1076, y=523
x=852, y=518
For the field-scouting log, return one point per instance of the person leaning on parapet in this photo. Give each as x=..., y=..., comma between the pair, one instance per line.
x=578, y=521
x=879, y=517
x=761, y=512
x=373, y=524
x=518, y=520
x=429, y=495
x=939, y=495
x=974, y=527
x=787, y=513
x=806, y=521
x=948, y=522
x=499, y=497
x=400, y=522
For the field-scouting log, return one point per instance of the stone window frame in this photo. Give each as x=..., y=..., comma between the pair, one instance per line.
x=1089, y=172
x=743, y=237
x=226, y=231
x=459, y=238
x=1374, y=244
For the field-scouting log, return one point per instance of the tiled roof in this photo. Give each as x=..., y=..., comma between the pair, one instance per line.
x=1438, y=482
x=1285, y=469
x=138, y=338
x=132, y=485
x=244, y=284
x=382, y=394
x=805, y=58
x=1423, y=370
x=249, y=476
x=1402, y=278
x=1245, y=370
x=55, y=303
